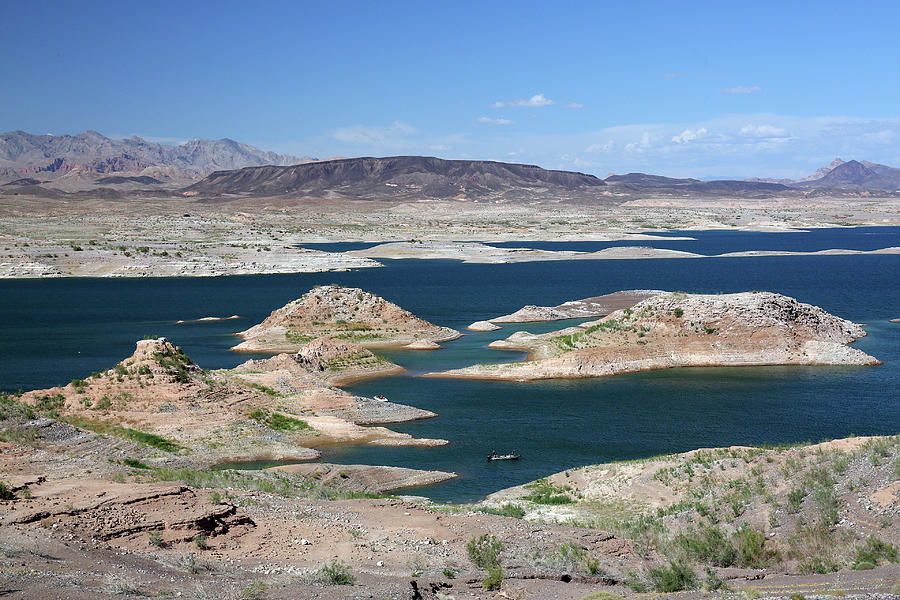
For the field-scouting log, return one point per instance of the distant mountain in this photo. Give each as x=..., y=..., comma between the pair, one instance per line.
x=404, y=177
x=23, y=154
x=822, y=171
x=638, y=182
x=857, y=175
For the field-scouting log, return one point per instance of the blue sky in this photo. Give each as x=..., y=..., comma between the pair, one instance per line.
x=704, y=89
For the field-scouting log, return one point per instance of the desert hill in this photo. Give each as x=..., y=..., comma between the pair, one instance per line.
x=398, y=177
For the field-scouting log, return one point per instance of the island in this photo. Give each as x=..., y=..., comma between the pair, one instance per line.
x=674, y=329
x=340, y=312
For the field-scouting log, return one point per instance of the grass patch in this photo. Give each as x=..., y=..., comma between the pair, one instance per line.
x=545, y=492
x=507, y=510
x=141, y=437
x=278, y=421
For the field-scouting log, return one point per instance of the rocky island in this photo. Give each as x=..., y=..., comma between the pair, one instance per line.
x=682, y=330
x=345, y=313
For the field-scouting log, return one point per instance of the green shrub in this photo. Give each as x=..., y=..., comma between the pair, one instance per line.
x=200, y=541
x=135, y=464
x=6, y=492
x=817, y=565
x=50, y=403
x=494, y=578
x=875, y=551
x=708, y=545
x=750, y=545
x=336, y=573
x=484, y=551
x=675, y=577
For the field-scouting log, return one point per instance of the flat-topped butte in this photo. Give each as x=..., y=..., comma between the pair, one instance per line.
x=345, y=313
x=679, y=330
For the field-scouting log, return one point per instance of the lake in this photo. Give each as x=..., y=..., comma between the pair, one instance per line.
x=56, y=330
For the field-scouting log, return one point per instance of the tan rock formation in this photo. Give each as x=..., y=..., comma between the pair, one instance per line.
x=346, y=313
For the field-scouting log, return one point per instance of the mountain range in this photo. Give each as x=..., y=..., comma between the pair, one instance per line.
x=92, y=163
x=24, y=155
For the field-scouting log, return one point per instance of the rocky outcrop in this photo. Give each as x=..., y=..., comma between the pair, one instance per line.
x=674, y=330
x=340, y=361
x=423, y=345
x=367, y=478
x=596, y=306
x=483, y=326
x=345, y=313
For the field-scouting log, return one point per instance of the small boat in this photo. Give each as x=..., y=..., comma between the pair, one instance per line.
x=381, y=398
x=511, y=456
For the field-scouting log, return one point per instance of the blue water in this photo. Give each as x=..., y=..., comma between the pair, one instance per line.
x=59, y=329
x=723, y=241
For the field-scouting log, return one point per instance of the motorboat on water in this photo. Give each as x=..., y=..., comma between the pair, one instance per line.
x=511, y=456
x=381, y=398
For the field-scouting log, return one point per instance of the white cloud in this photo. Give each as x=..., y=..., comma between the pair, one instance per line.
x=490, y=121
x=396, y=134
x=607, y=147
x=689, y=135
x=763, y=131
x=574, y=105
x=535, y=101
x=741, y=89
x=439, y=147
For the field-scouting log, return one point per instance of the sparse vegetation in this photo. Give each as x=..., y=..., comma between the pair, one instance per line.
x=543, y=491
x=484, y=551
x=141, y=437
x=336, y=573
x=278, y=421
x=674, y=577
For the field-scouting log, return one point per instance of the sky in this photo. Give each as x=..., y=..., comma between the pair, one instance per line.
x=699, y=89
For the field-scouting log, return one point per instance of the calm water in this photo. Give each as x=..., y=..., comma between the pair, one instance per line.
x=57, y=330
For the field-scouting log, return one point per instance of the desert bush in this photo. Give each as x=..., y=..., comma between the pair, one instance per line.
x=674, y=577
x=336, y=573
x=750, y=545
x=494, y=578
x=874, y=552
x=484, y=551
